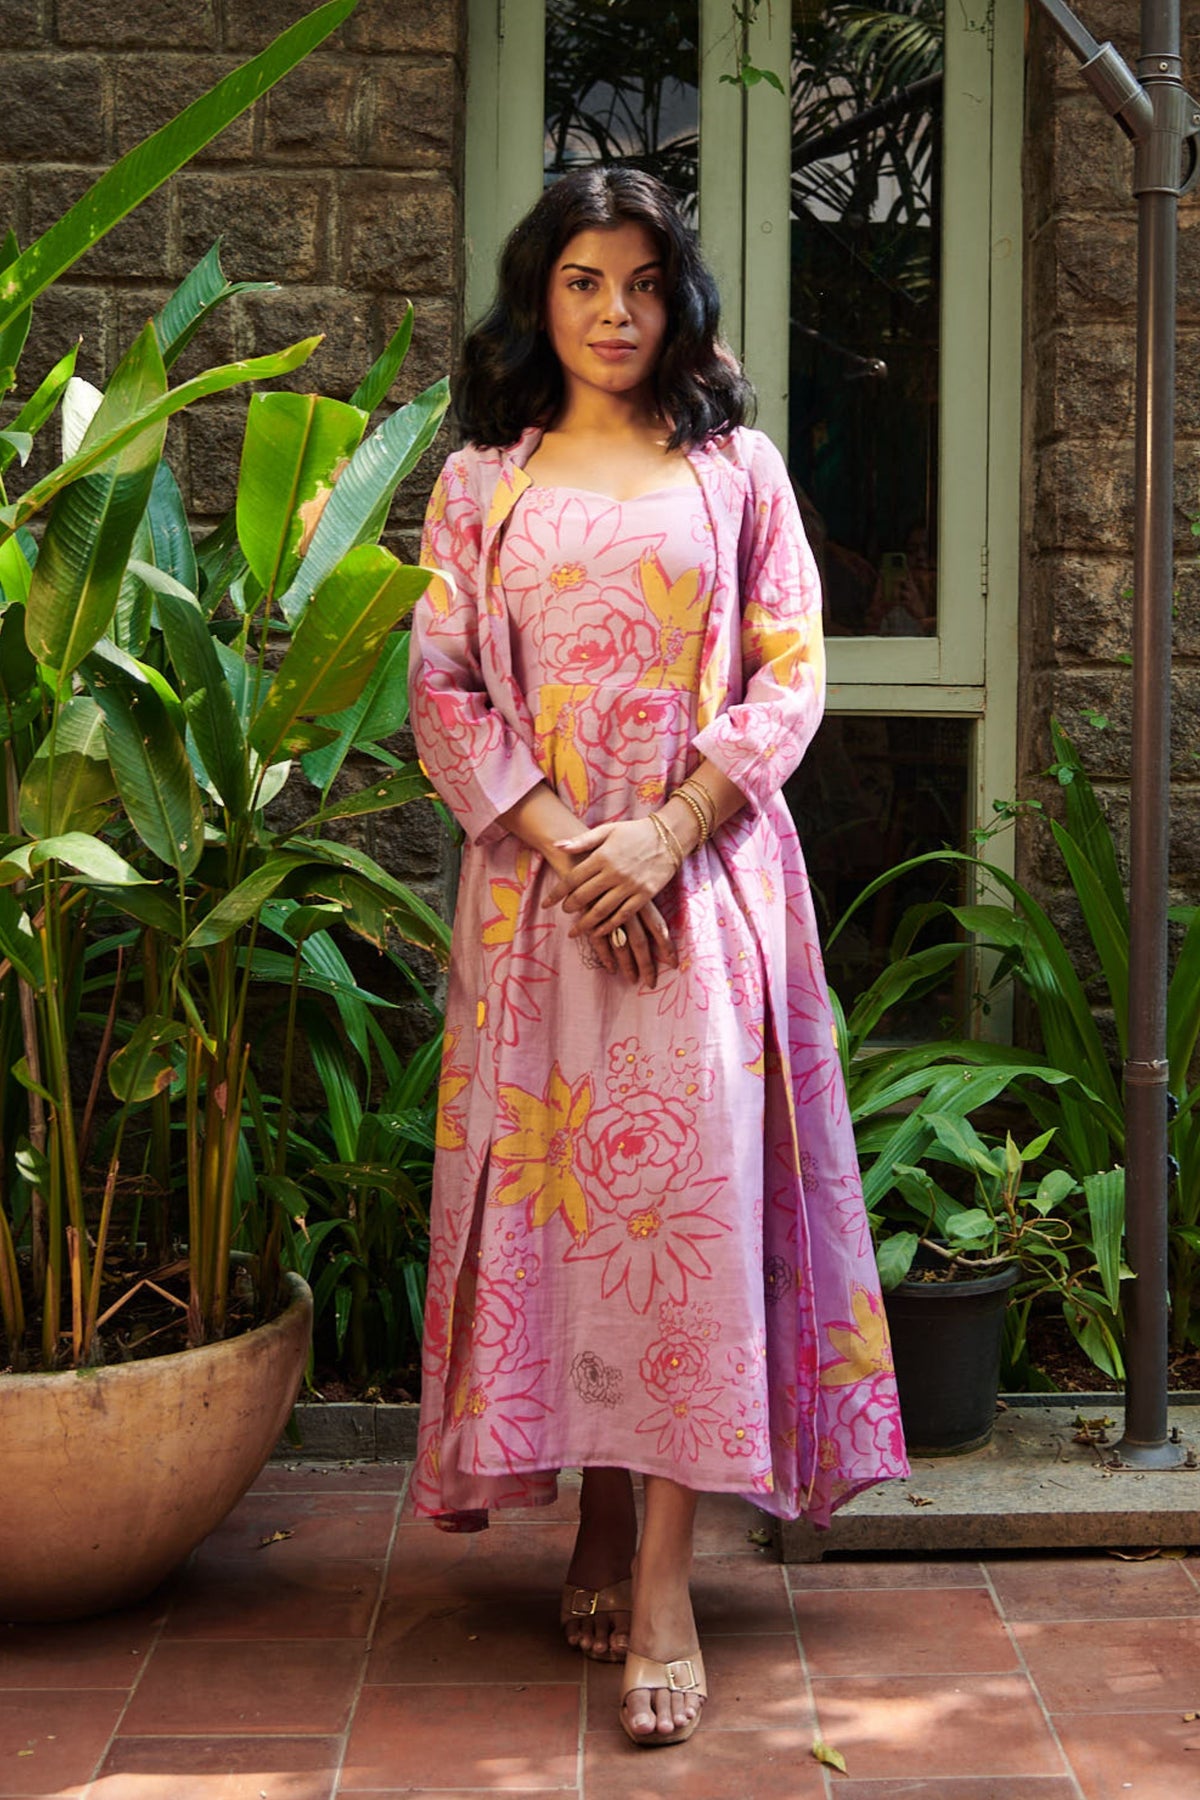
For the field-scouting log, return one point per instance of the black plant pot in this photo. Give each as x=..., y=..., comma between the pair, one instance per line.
x=946, y=1340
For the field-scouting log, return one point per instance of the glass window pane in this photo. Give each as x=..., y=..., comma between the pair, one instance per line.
x=622, y=85
x=871, y=793
x=863, y=409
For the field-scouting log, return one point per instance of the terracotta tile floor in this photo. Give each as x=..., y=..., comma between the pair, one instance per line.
x=323, y=1643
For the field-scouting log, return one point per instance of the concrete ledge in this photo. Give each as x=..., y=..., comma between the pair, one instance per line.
x=350, y=1431
x=1032, y=1488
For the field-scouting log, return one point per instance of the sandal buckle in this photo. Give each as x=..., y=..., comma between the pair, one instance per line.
x=674, y=1681
x=589, y=1598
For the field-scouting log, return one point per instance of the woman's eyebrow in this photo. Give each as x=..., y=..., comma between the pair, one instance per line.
x=583, y=269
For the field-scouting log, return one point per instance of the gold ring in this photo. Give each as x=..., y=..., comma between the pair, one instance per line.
x=618, y=937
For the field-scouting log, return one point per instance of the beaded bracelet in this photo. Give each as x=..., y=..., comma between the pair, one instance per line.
x=693, y=785
x=670, y=842
x=697, y=811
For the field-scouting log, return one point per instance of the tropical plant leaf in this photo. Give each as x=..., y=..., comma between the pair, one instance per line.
x=372, y=390
x=150, y=763
x=171, y=540
x=42, y=402
x=144, y=1066
x=89, y=856
x=149, y=163
x=243, y=902
x=90, y=531
x=337, y=641
x=894, y=1257
x=18, y=665
x=1183, y=1006
x=380, y=711
x=409, y=915
x=212, y=712
x=202, y=288
x=98, y=450
x=410, y=783
x=69, y=784
x=16, y=573
x=1105, y=927
x=365, y=487
x=1105, y=1194
x=1089, y=827
x=294, y=449
x=16, y=328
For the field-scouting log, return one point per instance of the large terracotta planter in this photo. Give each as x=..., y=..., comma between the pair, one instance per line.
x=109, y=1477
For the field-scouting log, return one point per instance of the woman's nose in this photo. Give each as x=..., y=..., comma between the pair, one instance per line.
x=616, y=309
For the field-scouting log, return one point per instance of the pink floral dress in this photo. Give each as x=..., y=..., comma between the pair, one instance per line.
x=642, y=1254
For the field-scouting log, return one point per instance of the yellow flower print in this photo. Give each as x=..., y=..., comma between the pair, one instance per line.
x=506, y=898
x=451, y=1130
x=539, y=1153
x=673, y=605
x=862, y=1347
x=555, y=748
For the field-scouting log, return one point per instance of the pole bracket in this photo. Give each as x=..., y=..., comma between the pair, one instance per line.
x=1152, y=1073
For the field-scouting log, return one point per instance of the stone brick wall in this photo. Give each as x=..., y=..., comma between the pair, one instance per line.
x=343, y=184
x=1078, y=476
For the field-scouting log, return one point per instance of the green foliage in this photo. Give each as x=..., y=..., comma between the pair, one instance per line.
x=153, y=700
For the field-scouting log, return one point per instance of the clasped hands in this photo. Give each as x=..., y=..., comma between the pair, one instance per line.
x=618, y=870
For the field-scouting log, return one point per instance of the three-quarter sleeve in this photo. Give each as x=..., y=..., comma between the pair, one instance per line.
x=475, y=757
x=759, y=740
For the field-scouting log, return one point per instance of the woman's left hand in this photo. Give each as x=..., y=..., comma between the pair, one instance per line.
x=621, y=866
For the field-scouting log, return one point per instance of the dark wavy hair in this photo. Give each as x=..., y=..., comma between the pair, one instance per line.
x=509, y=377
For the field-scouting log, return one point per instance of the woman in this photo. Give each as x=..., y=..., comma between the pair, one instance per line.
x=649, y=1245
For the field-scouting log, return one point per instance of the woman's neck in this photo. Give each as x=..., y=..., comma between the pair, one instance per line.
x=588, y=413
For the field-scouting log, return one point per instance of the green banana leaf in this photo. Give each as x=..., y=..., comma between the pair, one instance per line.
x=337, y=641
x=380, y=711
x=243, y=902
x=100, y=450
x=294, y=448
x=412, y=919
x=42, y=402
x=16, y=328
x=151, y=768
x=202, y=289
x=409, y=783
x=91, y=528
x=69, y=783
x=211, y=711
x=18, y=665
x=359, y=502
x=89, y=856
x=16, y=573
x=372, y=390
x=148, y=164
x=1105, y=1195
x=171, y=541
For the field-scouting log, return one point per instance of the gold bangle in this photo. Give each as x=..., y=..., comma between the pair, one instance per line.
x=695, y=786
x=697, y=811
x=670, y=842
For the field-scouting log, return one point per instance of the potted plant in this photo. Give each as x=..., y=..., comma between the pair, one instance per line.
x=156, y=699
x=915, y=1105
x=952, y=1263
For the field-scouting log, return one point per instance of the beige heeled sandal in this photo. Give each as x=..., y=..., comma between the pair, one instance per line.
x=683, y=1676
x=585, y=1603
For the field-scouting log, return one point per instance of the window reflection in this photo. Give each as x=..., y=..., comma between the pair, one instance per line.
x=871, y=793
x=622, y=85
x=866, y=166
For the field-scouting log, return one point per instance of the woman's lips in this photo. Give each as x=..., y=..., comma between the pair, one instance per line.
x=613, y=351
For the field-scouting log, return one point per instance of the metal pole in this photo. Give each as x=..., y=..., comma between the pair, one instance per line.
x=1157, y=176
x=1154, y=110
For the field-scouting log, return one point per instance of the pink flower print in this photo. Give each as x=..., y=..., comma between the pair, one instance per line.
x=684, y=1427
x=699, y=973
x=547, y=544
x=674, y=1366
x=592, y=644
x=652, y=1245
x=686, y=1075
x=852, y=1215
x=519, y=1266
x=499, y=1415
x=868, y=1420
x=742, y=1436
x=644, y=1143
x=595, y=1381
x=813, y=1038
x=629, y=1068
x=499, y=1338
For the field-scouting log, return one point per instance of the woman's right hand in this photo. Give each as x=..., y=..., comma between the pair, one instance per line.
x=647, y=948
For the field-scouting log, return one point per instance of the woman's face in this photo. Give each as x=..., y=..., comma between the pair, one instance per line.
x=606, y=309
